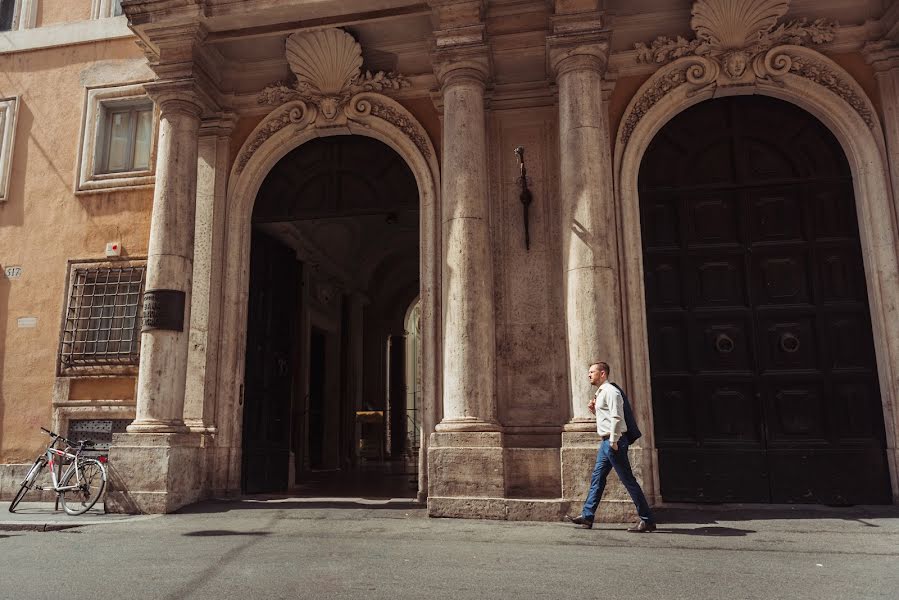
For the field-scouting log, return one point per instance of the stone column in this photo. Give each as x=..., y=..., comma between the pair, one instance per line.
x=156, y=466
x=200, y=394
x=469, y=373
x=589, y=247
x=465, y=455
x=884, y=57
x=163, y=357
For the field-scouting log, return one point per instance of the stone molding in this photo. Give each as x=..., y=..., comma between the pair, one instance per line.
x=883, y=55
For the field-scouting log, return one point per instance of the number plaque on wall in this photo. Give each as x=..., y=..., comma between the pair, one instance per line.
x=163, y=309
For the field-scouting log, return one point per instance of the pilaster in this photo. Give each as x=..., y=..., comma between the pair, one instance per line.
x=883, y=55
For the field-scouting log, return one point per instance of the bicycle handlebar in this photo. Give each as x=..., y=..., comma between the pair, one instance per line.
x=56, y=437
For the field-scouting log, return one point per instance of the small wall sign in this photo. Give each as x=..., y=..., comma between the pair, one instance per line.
x=26, y=322
x=13, y=272
x=163, y=309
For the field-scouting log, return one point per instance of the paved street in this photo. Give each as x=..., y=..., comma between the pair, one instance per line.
x=304, y=548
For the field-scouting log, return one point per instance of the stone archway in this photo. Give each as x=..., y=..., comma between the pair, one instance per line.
x=764, y=61
x=316, y=107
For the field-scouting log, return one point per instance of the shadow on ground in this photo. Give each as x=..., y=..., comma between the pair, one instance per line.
x=715, y=514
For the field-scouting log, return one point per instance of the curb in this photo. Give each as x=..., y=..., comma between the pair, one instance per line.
x=40, y=526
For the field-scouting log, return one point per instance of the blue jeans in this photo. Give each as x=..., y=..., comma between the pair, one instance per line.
x=606, y=460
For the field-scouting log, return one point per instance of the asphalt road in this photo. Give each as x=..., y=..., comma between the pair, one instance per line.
x=306, y=549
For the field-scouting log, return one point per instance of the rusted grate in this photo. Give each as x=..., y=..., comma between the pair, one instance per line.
x=98, y=431
x=102, y=323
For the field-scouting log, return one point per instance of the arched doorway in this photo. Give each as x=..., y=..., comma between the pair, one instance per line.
x=334, y=263
x=763, y=372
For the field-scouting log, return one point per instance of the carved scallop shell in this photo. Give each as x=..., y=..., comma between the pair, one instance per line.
x=328, y=60
x=735, y=23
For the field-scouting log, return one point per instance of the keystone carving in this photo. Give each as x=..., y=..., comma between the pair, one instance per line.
x=739, y=43
x=734, y=33
x=328, y=69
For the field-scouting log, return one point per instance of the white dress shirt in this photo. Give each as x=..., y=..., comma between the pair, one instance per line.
x=609, y=412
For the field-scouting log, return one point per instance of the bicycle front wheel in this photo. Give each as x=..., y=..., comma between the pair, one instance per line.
x=28, y=482
x=90, y=476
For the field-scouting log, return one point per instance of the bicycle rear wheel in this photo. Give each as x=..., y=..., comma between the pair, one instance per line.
x=90, y=486
x=28, y=482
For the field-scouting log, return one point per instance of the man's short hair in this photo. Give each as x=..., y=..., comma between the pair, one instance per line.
x=603, y=366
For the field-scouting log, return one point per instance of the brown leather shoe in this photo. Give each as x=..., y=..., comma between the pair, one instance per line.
x=581, y=521
x=642, y=527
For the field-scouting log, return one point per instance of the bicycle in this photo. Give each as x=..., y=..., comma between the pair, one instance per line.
x=80, y=486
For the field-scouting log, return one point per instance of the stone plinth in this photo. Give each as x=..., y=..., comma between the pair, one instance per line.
x=154, y=472
x=578, y=459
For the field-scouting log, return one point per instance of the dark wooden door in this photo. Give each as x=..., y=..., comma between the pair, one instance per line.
x=763, y=373
x=271, y=319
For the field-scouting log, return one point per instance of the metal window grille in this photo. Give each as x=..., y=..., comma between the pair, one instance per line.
x=102, y=324
x=98, y=431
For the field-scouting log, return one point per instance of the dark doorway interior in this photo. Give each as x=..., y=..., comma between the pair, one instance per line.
x=316, y=397
x=335, y=269
x=764, y=378
x=269, y=376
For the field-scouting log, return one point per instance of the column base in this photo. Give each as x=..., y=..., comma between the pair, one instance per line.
x=158, y=426
x=151, y=473
x=580, y=425
x=504, y=509
x=578, y=457
x=466, y=464
x=466, y=424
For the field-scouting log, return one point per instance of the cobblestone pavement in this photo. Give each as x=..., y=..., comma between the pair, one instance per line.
x=330, y=548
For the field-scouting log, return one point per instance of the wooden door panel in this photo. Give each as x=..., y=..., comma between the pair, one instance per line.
x=829, y=476
x=730, y=414
x=673, y=411
x=662, y=223
x=668, y=348
x=781, y=277
x=664, y=281
x=776, y=216
x=718, y=281
x=763, y=373
x=713, y=220
x=850, y=345
x=839, y=276
x=796, y=412
x=714, y=475
x=722, y=342
x=788, y=342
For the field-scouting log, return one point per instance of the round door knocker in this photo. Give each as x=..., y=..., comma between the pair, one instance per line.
x=789, y=343
x=724, y=344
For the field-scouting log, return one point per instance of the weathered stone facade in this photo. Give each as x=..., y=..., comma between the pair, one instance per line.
x=452, y=87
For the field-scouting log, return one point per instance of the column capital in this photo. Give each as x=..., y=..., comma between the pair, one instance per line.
x=883, y=55
x=580, y=52
x=462, y=65
x=176, y=96
x=579, y=39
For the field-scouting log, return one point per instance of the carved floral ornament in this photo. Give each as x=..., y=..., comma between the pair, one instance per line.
x=739, y=43
x=329, y=88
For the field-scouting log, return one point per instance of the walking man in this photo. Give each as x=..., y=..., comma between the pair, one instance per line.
x=608, y=405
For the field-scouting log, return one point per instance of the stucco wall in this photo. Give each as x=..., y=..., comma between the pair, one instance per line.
x=52, y=12
x=44, y=224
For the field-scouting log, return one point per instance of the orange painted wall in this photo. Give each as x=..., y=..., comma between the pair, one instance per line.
x=43, y=224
